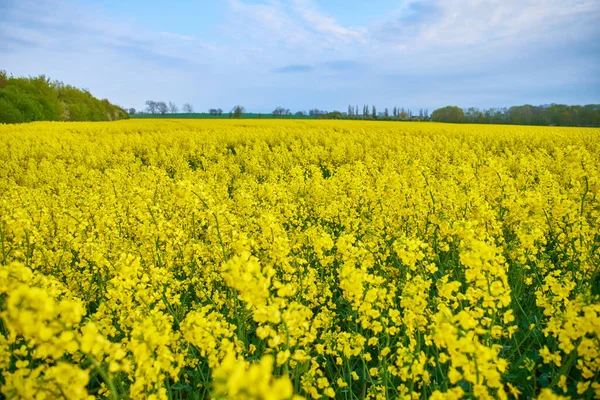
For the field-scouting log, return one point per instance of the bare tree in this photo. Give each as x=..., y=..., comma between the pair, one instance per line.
x=187, y=108
x=162, y=107
x=131, y=111
x=315, y=112
x=173, y=109
x=280, y=111
x=151, y=106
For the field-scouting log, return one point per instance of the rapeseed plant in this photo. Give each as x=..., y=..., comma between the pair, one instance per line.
x=298, y=259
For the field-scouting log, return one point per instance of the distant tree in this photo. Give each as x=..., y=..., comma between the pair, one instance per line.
x=281, y=111
x=395, y=112
x=403, y=114
x=386, y=113
x=162, y=107
x=474, y=115
x=421, y=113
x=237, y=111
x=334, y=115
x=448, y=114
x=300, y=114
x=374, y=112
x=219, y=111
x=151, y=106
x=212, y=111
x=173, y=109
x=426, y=114
x=350, y=110
x=187, y=108
x=530, y=115
x=131, y=111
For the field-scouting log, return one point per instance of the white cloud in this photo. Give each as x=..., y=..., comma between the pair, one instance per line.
x=326, y=25
x=461, y=23
x=296, y=25
x=176, y=36
x=411, y=37
x=64, y=25
x=267, y=24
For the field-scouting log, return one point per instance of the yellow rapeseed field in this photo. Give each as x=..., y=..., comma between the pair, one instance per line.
x=192, y=259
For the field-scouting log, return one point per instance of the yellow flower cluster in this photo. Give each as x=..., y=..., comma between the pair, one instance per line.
x=170, y=259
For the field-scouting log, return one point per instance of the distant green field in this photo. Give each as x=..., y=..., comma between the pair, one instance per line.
x=222, y=116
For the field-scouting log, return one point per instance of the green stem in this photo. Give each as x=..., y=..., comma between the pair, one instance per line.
x=114, y=395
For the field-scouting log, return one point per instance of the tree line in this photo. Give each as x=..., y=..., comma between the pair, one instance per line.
x=163, y=108
x=553, y=114
x=368, y=112
x=41, y=99
x=160, y=107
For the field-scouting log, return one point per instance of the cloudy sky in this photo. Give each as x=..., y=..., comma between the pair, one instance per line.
x=304, y=54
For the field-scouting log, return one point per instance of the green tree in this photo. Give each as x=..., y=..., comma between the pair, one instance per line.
x=237, y=111
x=448, y=114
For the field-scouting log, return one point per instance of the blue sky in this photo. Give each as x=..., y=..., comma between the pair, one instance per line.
x=304, y=54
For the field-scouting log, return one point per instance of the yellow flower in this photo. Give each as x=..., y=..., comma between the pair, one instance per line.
x=282, y=357
x=454, y=376
x=513, y=390
x=582, y=387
